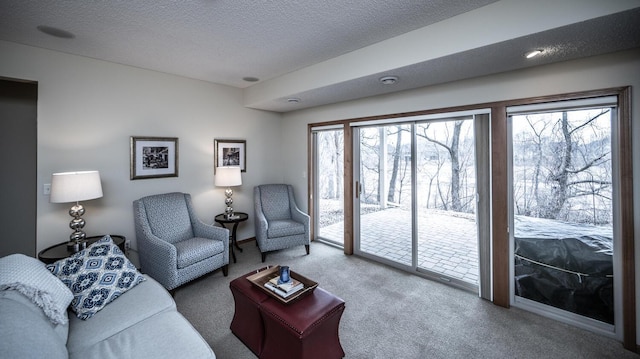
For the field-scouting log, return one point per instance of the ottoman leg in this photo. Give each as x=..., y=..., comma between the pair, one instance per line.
x=307, y=329
x=247, y=324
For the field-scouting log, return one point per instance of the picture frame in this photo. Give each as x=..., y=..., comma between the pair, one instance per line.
x=153, y=157
x=230, y=153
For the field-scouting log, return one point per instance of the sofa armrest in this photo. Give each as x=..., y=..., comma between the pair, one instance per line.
x=26, y=332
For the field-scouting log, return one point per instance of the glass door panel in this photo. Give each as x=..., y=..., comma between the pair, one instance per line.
x=563, y=211
x=446, y=200
x=385, y=208
x=329, y=186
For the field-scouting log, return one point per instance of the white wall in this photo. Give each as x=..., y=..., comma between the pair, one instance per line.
x=88, y=109
x=620, y=69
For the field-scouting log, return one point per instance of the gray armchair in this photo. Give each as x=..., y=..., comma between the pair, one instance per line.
x=174, y=246
x=279, y=223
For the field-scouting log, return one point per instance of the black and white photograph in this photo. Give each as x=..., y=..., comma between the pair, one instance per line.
x=154, y=157
x=230, y=153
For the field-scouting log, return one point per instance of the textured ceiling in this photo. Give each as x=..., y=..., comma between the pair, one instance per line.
x=222, y=41
x=561, y=44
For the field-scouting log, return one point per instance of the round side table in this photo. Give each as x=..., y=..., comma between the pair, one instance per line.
x=233, y=242
x=60, y=251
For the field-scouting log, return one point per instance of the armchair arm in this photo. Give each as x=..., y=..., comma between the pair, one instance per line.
x=157, y=257
x=297, y=214
x=203, y=230
x=260, y=221
x=157, y=254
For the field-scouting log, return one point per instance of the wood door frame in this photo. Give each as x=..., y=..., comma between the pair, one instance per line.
x=499, y=198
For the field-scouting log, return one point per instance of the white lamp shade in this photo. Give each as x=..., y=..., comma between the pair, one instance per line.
x=228, y=176
x=75, y=186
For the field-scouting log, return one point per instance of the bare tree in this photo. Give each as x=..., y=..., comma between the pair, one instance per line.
x=568, y=156
x=337, y=158
x=538, y=128
x=369, y=159
x=452, y=149
x=396, y=164
x=566, y=167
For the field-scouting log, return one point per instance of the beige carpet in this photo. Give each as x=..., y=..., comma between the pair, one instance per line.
x=391, y=314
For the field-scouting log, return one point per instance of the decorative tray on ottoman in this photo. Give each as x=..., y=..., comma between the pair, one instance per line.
x=263, y=277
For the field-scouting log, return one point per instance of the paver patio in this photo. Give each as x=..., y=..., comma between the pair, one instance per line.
x=447, y=242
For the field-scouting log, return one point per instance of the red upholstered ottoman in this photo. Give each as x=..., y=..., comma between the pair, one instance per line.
x=247, y=322
x=304, y=329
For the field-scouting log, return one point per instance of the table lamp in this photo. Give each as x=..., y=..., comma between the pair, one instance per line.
x=228, y=177
x=75, y=187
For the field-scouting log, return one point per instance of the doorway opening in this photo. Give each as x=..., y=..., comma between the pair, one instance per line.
x=328, y=191
x=417, y=194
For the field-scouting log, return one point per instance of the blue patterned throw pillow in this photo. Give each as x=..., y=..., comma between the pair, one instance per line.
x=96, y=275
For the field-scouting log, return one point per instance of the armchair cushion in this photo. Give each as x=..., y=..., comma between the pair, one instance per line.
x=284, y=228
x=194, y=250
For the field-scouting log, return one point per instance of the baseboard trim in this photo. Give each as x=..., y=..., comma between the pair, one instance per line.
x=252, y=239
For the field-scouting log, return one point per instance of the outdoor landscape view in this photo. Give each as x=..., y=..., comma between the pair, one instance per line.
x=561, y=187
x=563, y=209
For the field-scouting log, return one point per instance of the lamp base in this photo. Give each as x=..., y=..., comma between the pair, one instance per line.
x=77, y=241
x=76, y=246
x=228, y=212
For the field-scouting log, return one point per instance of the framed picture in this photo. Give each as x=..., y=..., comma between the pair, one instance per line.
x=153, y=157
x=230, y=153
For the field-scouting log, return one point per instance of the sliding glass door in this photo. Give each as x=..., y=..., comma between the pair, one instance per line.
x=446, y=199
x=417, y=195
x=385, y=193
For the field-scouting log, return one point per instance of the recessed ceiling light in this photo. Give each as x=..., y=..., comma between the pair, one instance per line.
x=251, y=79
x=533, y=53
x=293, y=100
x=55, y=32
x=388, y=80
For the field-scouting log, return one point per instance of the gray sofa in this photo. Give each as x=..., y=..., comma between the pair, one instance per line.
x=141, y=323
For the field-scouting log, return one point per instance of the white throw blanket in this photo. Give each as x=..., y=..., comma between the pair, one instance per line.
x=30, y=277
